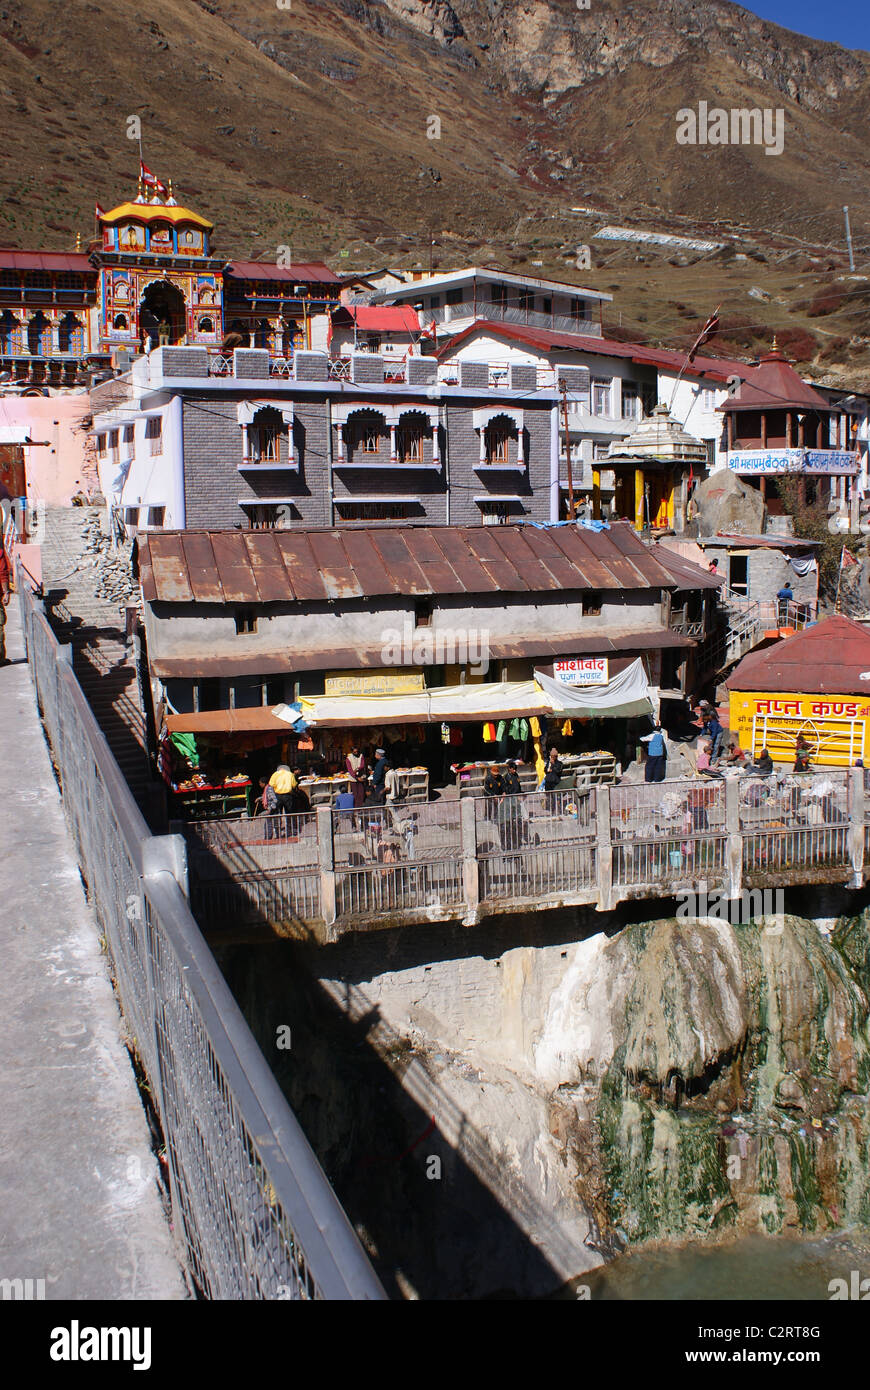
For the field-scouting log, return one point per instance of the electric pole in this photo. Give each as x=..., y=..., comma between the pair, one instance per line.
x=849, y=239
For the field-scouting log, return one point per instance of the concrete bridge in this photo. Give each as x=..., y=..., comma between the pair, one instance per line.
x=328, y=872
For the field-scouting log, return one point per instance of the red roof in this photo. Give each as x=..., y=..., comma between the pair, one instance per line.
x=721, y=368
x=826, y=659
x=775, y=385
x=310, y=272
x=388, y=318
x=46, y=260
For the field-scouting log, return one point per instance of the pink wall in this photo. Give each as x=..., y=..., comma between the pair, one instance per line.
x=56, y=472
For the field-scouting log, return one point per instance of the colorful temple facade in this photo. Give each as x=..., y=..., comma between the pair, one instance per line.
x=149, y=278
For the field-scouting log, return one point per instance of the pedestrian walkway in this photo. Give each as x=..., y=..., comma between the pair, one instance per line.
x=80, y=1206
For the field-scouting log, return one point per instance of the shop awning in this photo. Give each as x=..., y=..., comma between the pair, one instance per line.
x=228, y=721
x=623, y=697
x=449, y=704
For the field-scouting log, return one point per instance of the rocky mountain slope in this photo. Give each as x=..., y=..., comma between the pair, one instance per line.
x=404, y=131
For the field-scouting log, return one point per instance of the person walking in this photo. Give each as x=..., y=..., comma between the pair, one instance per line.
x=5, y=595
x=657, y=755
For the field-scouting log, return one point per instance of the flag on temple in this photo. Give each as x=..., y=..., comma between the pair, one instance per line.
x=151, y=181
x=847, y=558
x=706, y=333
x=98, y=211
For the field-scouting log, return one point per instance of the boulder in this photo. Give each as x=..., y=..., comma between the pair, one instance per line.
x=726, y=503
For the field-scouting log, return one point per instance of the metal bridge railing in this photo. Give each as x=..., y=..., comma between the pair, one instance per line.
x=254, y=1212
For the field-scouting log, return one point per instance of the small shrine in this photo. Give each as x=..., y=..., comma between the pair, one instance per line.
x=652, y=472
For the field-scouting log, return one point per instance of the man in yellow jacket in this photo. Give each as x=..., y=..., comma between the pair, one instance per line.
x=283, y=782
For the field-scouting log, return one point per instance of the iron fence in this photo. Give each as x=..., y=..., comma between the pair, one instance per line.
x=255, y=1214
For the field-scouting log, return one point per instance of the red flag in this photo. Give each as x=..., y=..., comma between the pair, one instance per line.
x=151, y=181
x=98, y=211
x=847, y=558
x=707, y=332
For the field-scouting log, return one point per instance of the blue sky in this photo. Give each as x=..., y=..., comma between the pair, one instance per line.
x=840, y=21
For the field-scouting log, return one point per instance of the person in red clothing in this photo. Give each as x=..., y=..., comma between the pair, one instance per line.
x=5, y=595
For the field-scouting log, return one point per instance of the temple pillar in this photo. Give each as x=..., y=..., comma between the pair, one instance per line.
x=639, y=517
x=596, y=494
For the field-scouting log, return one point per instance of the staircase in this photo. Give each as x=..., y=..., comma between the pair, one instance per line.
x=73, y=569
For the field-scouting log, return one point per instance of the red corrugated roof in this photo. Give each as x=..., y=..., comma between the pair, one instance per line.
x=46, y=260
x=307, y=272
x=375, y=318
x=321, y=566
x=826, y=659
x=721, y=368
x=775, y=385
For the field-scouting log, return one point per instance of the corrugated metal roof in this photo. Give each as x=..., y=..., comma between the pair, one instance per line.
x=719, y=368
x=307, y=272
x=46, y=260
x=826, y=659
x=312, y=566
x=379, y=318
x=687, y=575
x=775, y=385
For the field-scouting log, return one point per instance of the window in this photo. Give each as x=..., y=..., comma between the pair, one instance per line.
x=154, y=434
x=578, y=310
x=548, y=306
x=599, y=451
x=435, y=301
x=600, y=396
x=494, y=513
x=373, y=342
x=246, y=621
x=423, y=612
x=454, y=297
x=264, y=435
x=500, y=296
x=156, y=516
x=409, y=443
x=631, y=403
x=101, y=445
x=649, y=396
x=206, y=325
x=113, y=445
x=592, y=604
x=129, y=434
x=366, y=433
x=120, y=322
x=263, y=518
x=527, y=301
x=498, y=436
x=379, y=511
x=131, y=516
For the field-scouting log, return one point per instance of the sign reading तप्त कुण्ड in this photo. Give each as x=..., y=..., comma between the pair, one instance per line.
x=582, y=670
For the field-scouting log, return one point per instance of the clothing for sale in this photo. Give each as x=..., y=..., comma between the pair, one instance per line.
x=535, y=726
x=489, y=733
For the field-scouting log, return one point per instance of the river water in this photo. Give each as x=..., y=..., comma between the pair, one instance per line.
x=750, y=1268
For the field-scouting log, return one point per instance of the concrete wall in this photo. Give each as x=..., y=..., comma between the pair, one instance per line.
x=56, y=472
x=768, y=571
x=181, y=630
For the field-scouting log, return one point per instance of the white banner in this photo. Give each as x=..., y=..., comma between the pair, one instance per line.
x=831, y=461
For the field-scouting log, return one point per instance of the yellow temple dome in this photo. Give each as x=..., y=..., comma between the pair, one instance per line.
x=155, y=212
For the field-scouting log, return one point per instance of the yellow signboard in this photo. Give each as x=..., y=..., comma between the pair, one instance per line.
x=390, y=682
x=834, y=726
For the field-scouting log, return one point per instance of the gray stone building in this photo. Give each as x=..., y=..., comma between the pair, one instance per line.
x=326, y=443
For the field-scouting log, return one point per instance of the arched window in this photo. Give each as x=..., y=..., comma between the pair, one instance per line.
x=71, y=335
x=39, y=335
x=120, y=321
x=10, y=334
x=264, y=436
x=367, y=436
x=499, y=433
x=411, y=432
x=206, y=325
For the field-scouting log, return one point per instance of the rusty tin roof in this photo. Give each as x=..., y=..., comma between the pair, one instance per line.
x=328, y=565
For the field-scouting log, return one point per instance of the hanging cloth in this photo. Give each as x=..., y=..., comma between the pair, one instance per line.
x=445, y=733
x=567, y=729
x=540, y=764
x=535, y=726
x=500, y=731
x=489, y=733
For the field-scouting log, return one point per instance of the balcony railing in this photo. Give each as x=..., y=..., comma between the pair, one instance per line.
x=530, y=318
